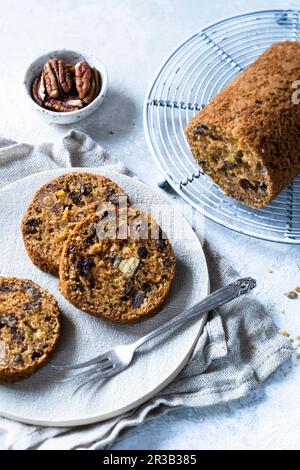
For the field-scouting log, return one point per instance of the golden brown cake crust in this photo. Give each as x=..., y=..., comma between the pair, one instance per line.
x=118, y=279
x=29, y=328
x=253, y=117
x=56, y=208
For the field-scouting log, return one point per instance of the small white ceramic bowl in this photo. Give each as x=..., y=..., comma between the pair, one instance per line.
x=35, y=68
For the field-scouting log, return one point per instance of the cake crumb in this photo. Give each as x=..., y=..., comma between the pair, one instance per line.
x=291, y=294
x=297, y=289
x=270, y=270
x=284, y=333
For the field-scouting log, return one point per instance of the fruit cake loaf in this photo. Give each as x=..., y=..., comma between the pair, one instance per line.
x=56, y=208
x=29, y=327
x=247, y=139
x=122, y=276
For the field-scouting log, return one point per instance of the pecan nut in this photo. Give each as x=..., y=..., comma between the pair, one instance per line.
x=42, y=89
x=91, y=91
x=97, y=79
x=74, y=103
x=60, y=106
x=51, y=83
x=94, y=88
x=35, y=91
x=71, y=69
x=83, y=75
x=65, y=77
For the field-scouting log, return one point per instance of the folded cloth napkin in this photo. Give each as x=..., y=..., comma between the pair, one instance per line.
x=239, y=348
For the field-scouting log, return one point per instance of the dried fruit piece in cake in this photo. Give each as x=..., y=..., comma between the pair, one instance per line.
x=29, y=328
x=124, y=273
x=55, y=210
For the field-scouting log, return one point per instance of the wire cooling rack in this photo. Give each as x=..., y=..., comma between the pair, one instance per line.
x=196, y=71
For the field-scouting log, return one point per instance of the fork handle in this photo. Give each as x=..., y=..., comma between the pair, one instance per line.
x=212, y=301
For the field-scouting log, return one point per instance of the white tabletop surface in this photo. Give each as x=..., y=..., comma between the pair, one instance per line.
x=132, y=38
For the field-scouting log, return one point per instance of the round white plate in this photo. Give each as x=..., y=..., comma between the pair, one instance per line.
x=43, y=401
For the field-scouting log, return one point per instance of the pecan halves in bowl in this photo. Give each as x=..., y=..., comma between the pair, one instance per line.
x=64, y=87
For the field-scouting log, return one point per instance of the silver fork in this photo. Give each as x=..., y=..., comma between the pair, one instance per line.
x=115, y=361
